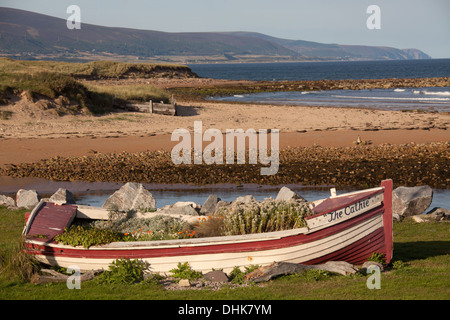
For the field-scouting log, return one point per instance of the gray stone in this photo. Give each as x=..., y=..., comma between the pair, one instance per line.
x=216, y=276
x=209, y=207
x=27, y=198
x=410, y=201
x=184, y=283
x=367, y=264
x=286, y=194
x=62, y=196
x=186, y=210
x=131, y=196
x=7, y=201
x=245, y=199
x=434, y=215
x=186, y=203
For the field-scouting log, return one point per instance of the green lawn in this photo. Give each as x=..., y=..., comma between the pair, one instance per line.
x=420, y=271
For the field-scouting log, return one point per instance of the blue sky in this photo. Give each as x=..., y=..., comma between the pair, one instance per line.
x=424, y=25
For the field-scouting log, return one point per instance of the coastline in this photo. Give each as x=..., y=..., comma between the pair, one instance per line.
x=32, y=139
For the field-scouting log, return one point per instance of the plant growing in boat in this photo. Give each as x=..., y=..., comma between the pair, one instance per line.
x=78, y=235
x=268, y=217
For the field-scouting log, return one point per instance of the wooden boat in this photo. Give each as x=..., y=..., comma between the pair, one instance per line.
x=348, y=227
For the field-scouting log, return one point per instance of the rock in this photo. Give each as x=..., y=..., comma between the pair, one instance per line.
x=184, y=283
x=7, y=201
x=222, y=204
x=62, y=196
x=439, y=211
x=210, y=205
x=434, y=215
x=131, y=196
x=367, y=264
x=27, y=198
x=186, y=210
x=245, y=199
x=187, y=203
x=216, y=276
x=410, y=201
x=189, y=218
x=286, y=194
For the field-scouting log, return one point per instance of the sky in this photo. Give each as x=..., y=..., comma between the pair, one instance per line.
x=423, y=24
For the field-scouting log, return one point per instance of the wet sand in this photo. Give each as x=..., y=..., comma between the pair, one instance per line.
x=31, y=135
x=26, y=150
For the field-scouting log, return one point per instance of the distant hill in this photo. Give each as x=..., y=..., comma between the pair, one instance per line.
x=341, y=52
x=29, y=35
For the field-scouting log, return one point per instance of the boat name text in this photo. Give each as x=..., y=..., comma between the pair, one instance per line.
x=358, y=206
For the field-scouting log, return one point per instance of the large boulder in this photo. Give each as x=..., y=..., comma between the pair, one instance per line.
x=7, y=201
x=286, y=194
x=62, y=196
x=410, y=201
x=131, y=197
x=27, y=198
x=210, y=205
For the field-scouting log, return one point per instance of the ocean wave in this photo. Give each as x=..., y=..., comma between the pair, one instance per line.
x=392, y=98
x=434, y=93
x=437, y=93
x=399, y=90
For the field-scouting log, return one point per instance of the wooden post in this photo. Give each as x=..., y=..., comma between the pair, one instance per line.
x=151, y=106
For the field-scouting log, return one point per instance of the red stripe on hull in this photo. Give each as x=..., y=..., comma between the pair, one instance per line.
x=357, y=252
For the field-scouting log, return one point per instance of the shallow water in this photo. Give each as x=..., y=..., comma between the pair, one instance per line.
x=430, y=99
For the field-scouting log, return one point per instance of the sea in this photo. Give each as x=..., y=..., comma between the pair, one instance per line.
x=435, y=99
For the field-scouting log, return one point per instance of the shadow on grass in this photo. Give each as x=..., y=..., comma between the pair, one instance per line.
x=407, y=251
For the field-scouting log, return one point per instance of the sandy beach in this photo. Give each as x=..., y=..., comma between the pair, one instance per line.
x=30, y=137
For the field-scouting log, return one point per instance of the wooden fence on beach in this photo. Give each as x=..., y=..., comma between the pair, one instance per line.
x=169, y=109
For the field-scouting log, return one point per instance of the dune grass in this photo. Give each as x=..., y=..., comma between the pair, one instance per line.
x=140, y=93
x=419, y=271
x=93, y=69
x=54, y=79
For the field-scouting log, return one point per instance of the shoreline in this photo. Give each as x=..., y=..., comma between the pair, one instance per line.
x=72, y=147
x=359, y=166
x=30, y=150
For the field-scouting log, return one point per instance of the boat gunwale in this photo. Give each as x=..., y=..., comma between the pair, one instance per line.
x=370, y=193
